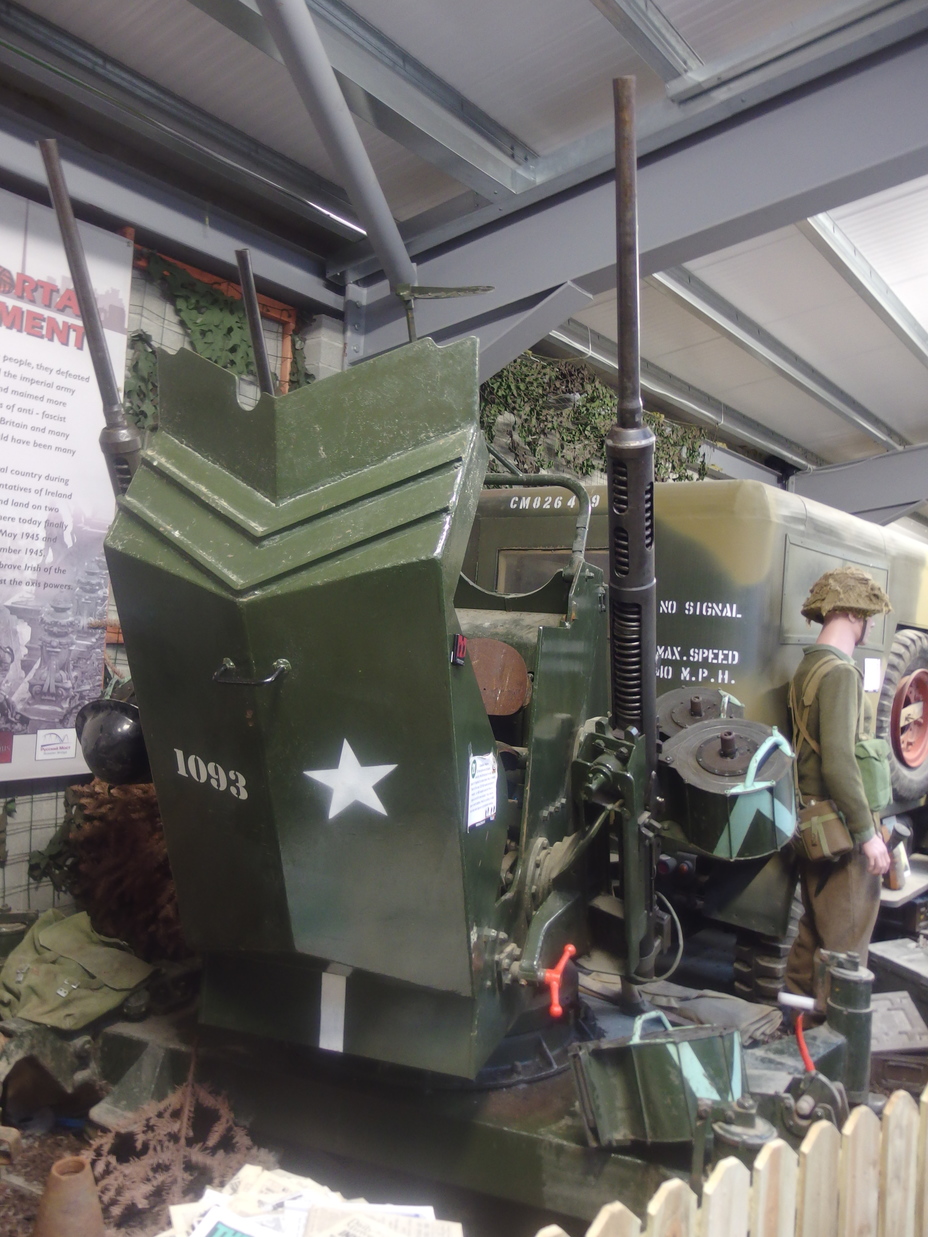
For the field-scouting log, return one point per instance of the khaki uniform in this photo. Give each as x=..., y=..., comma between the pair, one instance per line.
x=840, y=899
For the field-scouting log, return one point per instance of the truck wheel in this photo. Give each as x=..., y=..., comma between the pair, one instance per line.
x=902, y=714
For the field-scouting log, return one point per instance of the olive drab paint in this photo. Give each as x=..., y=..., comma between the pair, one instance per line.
x=734, y=563
x=286, y=581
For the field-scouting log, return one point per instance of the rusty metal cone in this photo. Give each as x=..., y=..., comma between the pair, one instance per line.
x=69, y=1206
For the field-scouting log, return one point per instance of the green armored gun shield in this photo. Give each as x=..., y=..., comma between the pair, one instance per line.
x=284, y=577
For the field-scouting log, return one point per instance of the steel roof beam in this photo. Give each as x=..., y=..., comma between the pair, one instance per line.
x=183, y=225
x=387, y=87
x=837, y=24
x=120, y=97
x=735, y=467
x=659, y=384
x=502, y=339
x=880, y=489
x=719, y=313
x=656, y=40
x=854, y=268
x=852, y=135
x=35, y=48
x=665, y=123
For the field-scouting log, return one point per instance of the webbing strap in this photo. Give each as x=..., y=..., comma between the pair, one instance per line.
x=801, y=719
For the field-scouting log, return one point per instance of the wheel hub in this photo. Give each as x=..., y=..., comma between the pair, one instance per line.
x=909, y=719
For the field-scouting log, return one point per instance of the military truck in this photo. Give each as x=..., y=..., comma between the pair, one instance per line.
x=735, y=559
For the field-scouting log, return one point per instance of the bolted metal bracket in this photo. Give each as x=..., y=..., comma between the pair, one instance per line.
x=410, y=293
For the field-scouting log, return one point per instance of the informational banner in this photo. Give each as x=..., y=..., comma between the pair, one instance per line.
x=55, y=497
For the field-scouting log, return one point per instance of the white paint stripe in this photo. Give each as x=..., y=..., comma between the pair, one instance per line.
x=693, y=1071
x=334, y=983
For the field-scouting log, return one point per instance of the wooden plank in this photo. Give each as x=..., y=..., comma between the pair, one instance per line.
x=501, y=673
x=615, y=1220
x=859, y=1175
x=817, y=1193
x=672, y=1211
x=773, y=1191
x=726, y=1201
x=898, y=1166
x=921, y=1210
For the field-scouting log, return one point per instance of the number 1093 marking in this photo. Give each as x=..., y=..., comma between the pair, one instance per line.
x=203, y=771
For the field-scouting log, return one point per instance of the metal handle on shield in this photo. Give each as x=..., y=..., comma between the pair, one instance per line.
x=226, y=673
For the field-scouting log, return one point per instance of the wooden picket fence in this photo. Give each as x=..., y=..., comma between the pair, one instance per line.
x=869, y=1180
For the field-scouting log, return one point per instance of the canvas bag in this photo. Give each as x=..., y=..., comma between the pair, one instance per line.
x=63, y=974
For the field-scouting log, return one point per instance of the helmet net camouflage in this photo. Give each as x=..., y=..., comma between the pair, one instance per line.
x=845, y=590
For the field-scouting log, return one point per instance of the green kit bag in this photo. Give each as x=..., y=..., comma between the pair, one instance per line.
x=872, y=756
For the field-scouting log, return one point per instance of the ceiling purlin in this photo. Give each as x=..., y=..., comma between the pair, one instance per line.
x=41, y=51
x=656, y=40
x=392, y=91
x=706, y=97
x=857, y=272
x=670, y=390
x=704, y=301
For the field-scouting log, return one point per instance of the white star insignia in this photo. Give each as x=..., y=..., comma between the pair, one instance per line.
x=351, y=782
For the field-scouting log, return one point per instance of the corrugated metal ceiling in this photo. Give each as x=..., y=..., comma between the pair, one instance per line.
x=784, y=284
x=717, y=29
x=891, y=230
x=694, y=352
x=166, y=40
x=543, y=70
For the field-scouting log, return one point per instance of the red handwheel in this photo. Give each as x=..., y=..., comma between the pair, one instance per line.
x=553, y=977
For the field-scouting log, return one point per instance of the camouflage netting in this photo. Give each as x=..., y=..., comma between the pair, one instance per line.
x=170, y=1153
x=846, y=590
x=545, y=415
x=110, y=855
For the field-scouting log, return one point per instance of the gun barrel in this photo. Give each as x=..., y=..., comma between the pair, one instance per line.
x=630, y=462
x=120, y=443
x=253, y=314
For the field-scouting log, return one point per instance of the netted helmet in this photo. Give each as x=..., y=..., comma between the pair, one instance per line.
x=847, y=590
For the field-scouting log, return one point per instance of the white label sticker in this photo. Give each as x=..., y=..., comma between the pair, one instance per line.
x=333, y=990
x=873, y=674
x=55, y=744
x=481, y=790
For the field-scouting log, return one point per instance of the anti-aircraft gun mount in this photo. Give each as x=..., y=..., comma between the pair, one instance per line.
x=390, y=929
x=407, y=1019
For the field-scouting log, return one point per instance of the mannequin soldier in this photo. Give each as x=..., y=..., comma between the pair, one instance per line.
x=840, y=897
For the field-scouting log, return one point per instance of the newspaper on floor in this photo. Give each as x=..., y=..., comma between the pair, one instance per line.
x=370, y=1222
x=252, y=1191
x=414, y=1211
x=260, y=1202
x=220, y=1221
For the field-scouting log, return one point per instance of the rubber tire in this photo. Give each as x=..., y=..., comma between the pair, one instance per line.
x=909, y=652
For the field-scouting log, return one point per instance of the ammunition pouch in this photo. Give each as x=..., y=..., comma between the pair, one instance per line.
x=822, y=832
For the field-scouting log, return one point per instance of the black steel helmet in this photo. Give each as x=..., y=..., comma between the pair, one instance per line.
x=110, y=735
